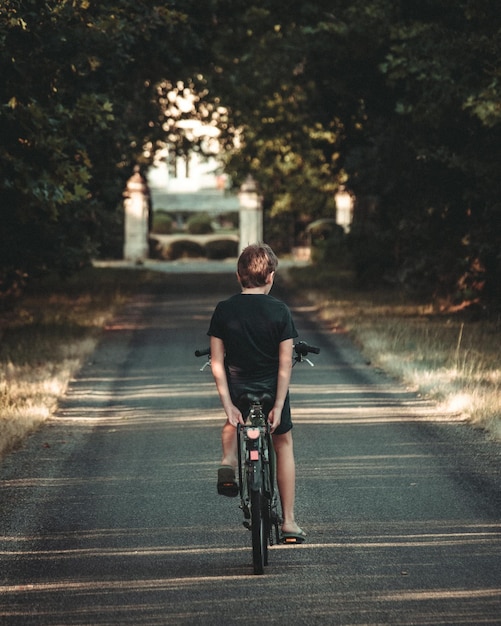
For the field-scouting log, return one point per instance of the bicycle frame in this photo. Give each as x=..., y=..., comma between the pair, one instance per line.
x=256, y=435
x=256, y=468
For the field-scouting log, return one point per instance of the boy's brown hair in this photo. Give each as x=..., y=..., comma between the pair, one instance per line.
x=255, y=264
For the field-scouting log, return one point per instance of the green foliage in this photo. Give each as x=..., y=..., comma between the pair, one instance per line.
x=444, y=209
x=322, y=277
x=77, y=104
x=229, y=221
x=330, y=251
x=199, y=224
x=162, y=223
x=397, y=101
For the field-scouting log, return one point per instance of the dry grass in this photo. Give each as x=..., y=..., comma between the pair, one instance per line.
x=448, y=358
x=46, y=336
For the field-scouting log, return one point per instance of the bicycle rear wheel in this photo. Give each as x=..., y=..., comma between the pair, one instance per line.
x=266, y=515
x=259, y=532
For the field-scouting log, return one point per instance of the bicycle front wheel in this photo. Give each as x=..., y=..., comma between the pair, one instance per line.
x=259, y=532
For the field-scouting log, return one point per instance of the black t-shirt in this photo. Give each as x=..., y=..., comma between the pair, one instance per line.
x=252, y=326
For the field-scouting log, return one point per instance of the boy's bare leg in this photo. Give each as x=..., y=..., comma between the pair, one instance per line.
x=286, y=479
x=229, y=443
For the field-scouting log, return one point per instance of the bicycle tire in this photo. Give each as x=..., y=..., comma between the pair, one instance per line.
x=269, y=482
x=259, y=536
x=241, y=456
x=266, y=514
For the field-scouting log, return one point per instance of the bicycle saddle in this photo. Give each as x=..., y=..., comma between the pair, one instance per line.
x=256, y=398
x=247, y=400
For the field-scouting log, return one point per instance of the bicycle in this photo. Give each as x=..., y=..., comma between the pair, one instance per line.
x=257, y=468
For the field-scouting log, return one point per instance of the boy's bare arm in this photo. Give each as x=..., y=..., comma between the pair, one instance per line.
x=217, y=365
x=284, y=377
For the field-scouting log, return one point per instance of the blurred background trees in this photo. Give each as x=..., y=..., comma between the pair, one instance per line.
x=398, y=101
x=78, y=104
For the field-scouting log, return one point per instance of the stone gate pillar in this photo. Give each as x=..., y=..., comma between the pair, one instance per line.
x=251, y=213
x=136, y=227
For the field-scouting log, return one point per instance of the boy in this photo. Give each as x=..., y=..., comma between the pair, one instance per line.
x=251, y=351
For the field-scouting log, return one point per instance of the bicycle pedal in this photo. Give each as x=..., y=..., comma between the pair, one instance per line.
x=291, y=540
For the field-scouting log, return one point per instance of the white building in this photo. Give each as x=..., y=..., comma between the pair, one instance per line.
x=192, y=182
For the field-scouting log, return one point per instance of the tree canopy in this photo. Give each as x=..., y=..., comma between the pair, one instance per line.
x=78, y=103
x=397, y=100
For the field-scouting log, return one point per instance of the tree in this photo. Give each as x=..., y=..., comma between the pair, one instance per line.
x=399, y=100
x=78, y=103
x=396, y=99
x=442, y=70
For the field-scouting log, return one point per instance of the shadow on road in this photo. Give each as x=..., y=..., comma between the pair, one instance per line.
x=110, y=514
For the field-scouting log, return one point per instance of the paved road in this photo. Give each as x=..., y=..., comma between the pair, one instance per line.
x=109, y=515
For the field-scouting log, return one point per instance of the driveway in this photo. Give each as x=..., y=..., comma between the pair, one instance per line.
x=109, y=514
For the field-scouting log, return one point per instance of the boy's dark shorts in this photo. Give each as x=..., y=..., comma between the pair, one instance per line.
x=286, y=420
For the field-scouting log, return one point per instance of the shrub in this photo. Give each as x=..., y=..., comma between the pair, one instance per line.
x=328, y=243
x=156, y=250
x=372, y=254
x=183, y=249
x=332, y=251
x=221, y=249
x=229, y=220
x=162, y=223
x=199, y=224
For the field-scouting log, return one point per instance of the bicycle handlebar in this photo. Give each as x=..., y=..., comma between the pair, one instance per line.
x=301, y=348
x=202, y=352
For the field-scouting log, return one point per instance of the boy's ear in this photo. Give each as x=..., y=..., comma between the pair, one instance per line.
x=270, y=278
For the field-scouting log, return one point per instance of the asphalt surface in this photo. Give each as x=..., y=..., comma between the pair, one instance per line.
x=109, y=515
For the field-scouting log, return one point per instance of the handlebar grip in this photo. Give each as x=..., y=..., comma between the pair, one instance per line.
x=304, y=348
x=202, y=352
x=313, y=349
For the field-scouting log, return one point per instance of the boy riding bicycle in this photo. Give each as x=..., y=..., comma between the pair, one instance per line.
x=251, y=351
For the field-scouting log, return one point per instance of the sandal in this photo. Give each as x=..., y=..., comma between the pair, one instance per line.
x=293, y=538
x=226, y=483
